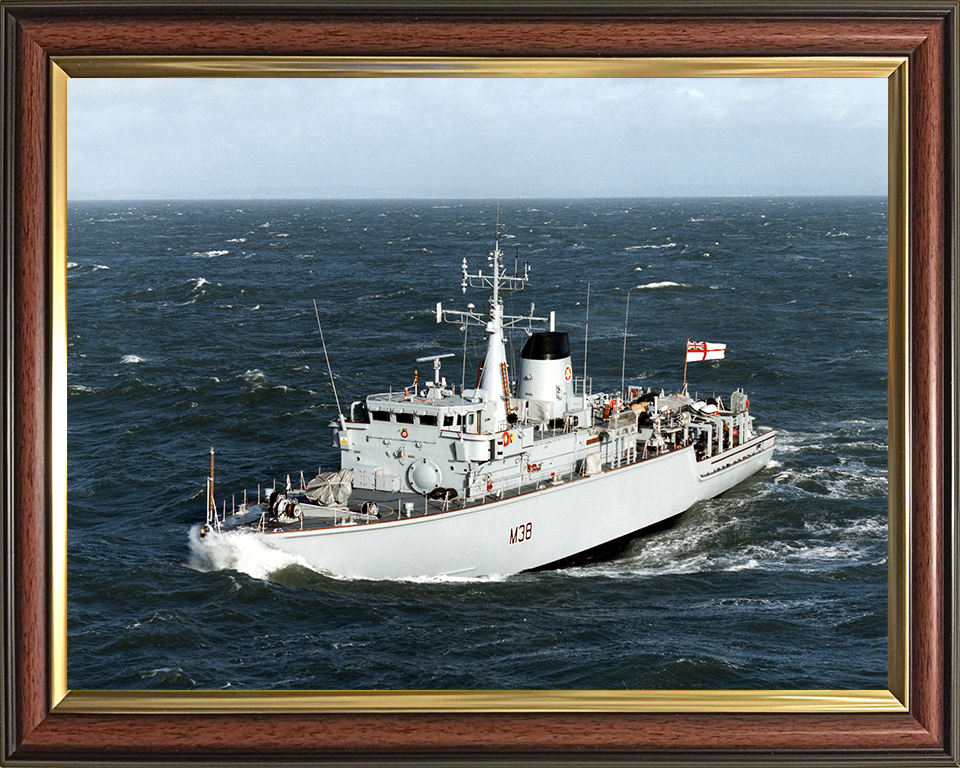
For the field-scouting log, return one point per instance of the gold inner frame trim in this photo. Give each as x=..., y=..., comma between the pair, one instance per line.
x=894, y=69
x=166, y=702
x=414, y=66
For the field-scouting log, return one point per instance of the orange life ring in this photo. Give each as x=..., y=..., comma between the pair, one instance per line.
x=489, y=485
x=567, y=373
x=403, y=433
x=506, y=439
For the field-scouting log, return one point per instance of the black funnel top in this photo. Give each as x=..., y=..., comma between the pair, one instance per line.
x=546, y=345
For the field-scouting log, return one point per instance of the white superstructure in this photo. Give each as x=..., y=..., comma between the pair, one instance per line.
x=506, y=476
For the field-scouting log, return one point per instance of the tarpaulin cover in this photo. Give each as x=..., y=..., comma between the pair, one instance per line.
x=331, y=487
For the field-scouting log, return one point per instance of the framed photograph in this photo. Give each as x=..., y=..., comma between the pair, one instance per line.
x=56, y=710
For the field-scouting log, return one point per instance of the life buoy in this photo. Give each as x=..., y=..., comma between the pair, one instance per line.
x=489, y=484
x=506, y=438
x=403, y=433
x=567, y=373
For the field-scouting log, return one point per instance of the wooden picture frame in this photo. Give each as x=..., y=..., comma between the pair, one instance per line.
x=917, y=721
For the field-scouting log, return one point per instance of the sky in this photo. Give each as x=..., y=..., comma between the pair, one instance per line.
x=491, y=138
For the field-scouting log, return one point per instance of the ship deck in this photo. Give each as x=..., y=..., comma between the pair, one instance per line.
x=390, y=506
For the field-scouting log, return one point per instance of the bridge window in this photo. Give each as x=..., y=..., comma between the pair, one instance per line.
x=428, y=421
x=405, y=418
x=380, y=415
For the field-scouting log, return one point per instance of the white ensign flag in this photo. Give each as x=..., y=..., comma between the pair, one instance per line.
x=704, y=350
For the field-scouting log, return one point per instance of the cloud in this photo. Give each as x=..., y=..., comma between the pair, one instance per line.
x=474, y=137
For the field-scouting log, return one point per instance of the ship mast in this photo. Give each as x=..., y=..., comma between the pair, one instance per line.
x=494, y=379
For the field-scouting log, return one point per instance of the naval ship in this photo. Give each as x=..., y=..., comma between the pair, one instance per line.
x=514, y=474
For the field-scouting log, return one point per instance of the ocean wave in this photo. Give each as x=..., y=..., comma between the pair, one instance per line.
x=168, y=677
x=721, y=536
x=71, y=264
x=865, y=526
x=199, y=282
x=237, y=240
x=131, y=359
x=209, y=254
x=853, y=481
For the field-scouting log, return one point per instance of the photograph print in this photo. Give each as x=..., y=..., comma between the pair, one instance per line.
x=477, y=383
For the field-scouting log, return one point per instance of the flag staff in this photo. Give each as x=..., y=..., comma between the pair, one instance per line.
x=686, y=350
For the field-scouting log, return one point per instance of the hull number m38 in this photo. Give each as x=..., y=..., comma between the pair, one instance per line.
x=521, y=533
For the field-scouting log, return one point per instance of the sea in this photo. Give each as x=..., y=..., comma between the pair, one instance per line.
x=191, y=326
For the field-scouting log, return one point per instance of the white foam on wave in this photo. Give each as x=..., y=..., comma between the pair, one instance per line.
x=237, y=240
x=703, y=544
x=853, y=481
x=100, y=266
x=869, y=527
x=650, y=247
x=664, y=284
x=238, y=551
x=71, y=264
x=209, y=254
x=681, y=550
x=254, y=376
x=445, y=579
x=131, y=359
x=200, y=282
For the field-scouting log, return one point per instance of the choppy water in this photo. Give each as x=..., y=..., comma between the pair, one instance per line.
x=192, y=325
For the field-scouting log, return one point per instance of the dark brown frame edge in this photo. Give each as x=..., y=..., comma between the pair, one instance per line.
x=926, y=32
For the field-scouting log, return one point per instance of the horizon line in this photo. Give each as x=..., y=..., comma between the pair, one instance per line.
x=459, y=199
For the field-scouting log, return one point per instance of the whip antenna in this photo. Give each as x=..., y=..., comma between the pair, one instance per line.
x=586, y=334
x=327, y=358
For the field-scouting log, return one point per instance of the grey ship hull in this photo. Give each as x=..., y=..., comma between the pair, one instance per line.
x=530, y=530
